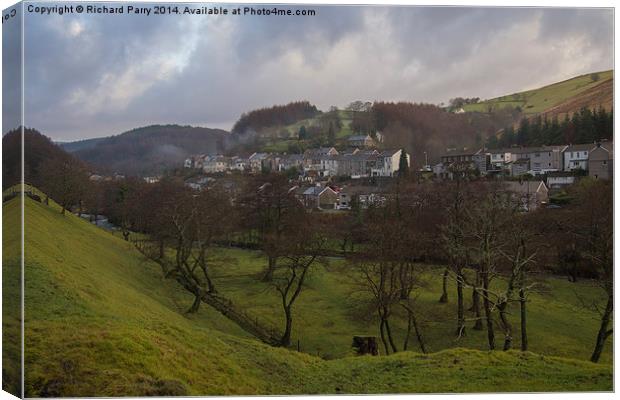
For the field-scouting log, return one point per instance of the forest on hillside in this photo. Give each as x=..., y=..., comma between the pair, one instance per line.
x=585, y=126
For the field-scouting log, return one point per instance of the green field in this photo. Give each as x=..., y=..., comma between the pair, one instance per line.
x=100, y=320
x=541, y=99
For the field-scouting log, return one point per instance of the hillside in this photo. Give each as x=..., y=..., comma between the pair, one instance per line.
x=589, y=90
x=148, y=150
x=101, y=321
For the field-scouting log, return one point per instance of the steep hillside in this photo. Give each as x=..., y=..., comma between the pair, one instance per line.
x=590, y=90
x=149, y=150
x=101, y=321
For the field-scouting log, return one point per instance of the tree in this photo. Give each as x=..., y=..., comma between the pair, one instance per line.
x=331, y=135
x=487, y=223
x=268, y=206
x=403, y=164
x=302, y=250
x=385, y=269
x=302, y=135
x=593, y=224
x=65, y=180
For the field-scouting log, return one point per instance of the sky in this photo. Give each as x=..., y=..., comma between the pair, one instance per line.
x=92, y=75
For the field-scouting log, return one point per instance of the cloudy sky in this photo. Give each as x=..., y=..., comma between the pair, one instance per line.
x=98, y=75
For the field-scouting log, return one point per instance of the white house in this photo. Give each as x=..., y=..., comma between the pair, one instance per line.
x=576, y=157
x=389, y=163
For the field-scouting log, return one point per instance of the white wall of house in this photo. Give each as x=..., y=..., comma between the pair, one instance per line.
x=576, y=160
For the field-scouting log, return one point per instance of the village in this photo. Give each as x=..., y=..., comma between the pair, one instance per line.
x=329, y=179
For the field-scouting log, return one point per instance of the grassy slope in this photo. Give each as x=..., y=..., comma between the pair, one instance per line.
x=332, y=311
x=101, y=321
x=547, y=97
x=280, y=145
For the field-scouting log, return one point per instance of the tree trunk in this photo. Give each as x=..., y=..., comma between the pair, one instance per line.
x=382, y=332
x=487, y=311
x=603, y=332
x=506, y=325
x=460, y=328
x=418, y=333
x=389, y=335
x=478, y=325
x=285, y=341
x=522, y=305
x=444, y=294
x=271, y=267
x=196, y=305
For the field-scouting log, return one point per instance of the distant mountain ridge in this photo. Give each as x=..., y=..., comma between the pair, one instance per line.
x=148, y=150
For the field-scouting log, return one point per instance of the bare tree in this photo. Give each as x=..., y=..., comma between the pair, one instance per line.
x=65, y=179
x=488, y=223
x=303, y=250
x=267, y=206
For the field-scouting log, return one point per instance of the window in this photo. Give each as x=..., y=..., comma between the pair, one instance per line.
x=604, y=162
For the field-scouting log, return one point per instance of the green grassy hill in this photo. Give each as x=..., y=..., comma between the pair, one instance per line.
x=101, y=321
x=278, y=139
x=563, y=97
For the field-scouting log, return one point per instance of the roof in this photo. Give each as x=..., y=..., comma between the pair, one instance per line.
x=389, y=153
x=581, y=147
x=320, y=151
x=317, y=190
x=460, y=153
x=524, y=187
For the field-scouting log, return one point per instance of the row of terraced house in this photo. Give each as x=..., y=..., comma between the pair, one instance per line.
x=318, y=162
x=594, y=159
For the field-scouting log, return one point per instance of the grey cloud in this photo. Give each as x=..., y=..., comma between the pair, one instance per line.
x=90, y=76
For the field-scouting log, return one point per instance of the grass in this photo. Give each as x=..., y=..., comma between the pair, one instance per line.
x=538, y=100
x=101, y=321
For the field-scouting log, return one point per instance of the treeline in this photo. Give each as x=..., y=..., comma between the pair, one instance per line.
x=274, y=116
x=39, y=151
x=585, y=126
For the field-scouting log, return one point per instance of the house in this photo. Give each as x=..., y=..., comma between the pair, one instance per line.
x=363, y=196
x=529, y=195
x=360, y=164
x=360, y=141
x=291, y=160
x=312, y=157
x=328, y=165
x=239, y=163
x=576, y=157
x=214, y=164
x=499, y=158
x=255, y=161
x=600, y=162
x=519, y=167
x=478, y=159
x=320, y=197
x=542, y=159
x=389, y=163
x=560, y=179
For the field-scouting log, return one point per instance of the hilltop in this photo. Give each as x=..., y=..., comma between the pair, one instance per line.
x=589, y=90
x=101, y=320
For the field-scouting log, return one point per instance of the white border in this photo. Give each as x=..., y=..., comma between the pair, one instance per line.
x=483, y=3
